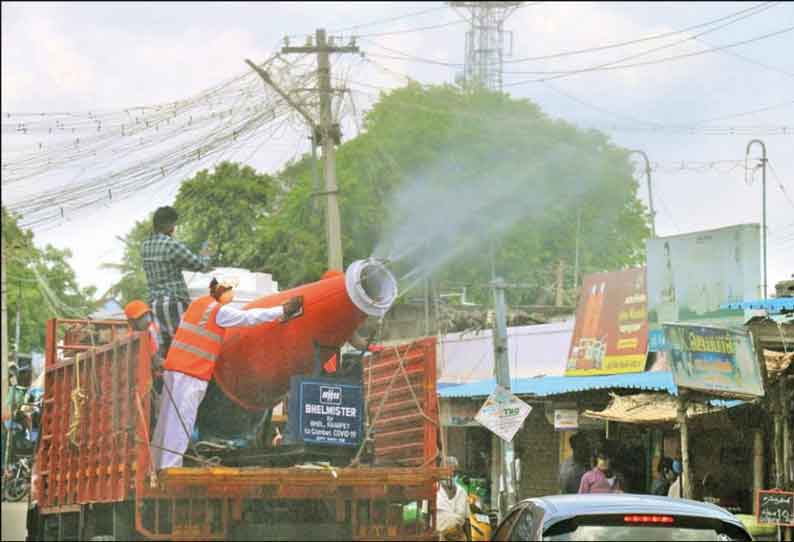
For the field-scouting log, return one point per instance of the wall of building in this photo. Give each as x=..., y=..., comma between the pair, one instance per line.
x=538, y=446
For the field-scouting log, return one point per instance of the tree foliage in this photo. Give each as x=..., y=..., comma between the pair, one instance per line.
x=451, y=140
x=132, y=284
x=41, y=283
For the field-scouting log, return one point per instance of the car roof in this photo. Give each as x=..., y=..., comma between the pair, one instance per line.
x=558, y=507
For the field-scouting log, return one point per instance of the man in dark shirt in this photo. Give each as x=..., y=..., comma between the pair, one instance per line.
x=574, y=467
x=164, y=258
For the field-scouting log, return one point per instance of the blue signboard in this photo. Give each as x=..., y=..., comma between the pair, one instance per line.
x=714, y=360
x=327, y=411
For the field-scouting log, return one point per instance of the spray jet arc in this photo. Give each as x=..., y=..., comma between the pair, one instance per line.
x=256, y=363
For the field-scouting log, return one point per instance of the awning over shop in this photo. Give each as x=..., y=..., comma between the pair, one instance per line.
x=649, y=408
x=772, y=306
x=558, y=385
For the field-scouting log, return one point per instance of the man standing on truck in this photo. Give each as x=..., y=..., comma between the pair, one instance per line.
x=139, y=317
x=191, y=362
x=164, y=258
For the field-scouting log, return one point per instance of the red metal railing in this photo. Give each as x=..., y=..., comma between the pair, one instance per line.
x=400, y=387
x=90, y=425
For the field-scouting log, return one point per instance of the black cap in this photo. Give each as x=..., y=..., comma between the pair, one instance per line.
x=165, y=217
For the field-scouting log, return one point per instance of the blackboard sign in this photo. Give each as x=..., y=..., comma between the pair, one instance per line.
x=326, y=411
x=776, y=507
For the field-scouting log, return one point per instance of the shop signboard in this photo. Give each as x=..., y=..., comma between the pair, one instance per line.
x=611, y=331
x=503, y=413
x=326, y=411
x=714, y=360
x=690, y=276
x=566, y=419
x=775, y=507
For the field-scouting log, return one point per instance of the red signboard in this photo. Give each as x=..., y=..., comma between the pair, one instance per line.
x=611, y=332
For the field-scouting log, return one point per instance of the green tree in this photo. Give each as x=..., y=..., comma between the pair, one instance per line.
x=435, y=143
x=439, y=172
x=132, y=284
x=41, y=283
x=227, y=207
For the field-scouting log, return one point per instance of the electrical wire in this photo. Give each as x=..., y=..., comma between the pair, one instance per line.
x=751, y=10
x=780, y=184
x=649, y=127
x=227, y=126
x=552, y=75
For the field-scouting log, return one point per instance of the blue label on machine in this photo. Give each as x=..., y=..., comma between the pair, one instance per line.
x=329, y=412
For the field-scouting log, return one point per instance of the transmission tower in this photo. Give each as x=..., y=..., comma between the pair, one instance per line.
x=487, y=43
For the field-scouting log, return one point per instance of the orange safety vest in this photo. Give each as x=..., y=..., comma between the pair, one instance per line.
x=197, y=342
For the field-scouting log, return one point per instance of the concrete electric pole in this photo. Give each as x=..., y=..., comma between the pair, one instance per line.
x=4, y=318
x=485, y=52
x=650, y=191
x=326, y=132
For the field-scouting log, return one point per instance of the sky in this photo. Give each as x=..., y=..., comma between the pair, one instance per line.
x=110, y=56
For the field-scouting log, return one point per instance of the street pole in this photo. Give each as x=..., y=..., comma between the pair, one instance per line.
x=329, y=136
x=315, y=172
x=650, y=190
x=332, y=220
x=686, y=473
x=326, y=131
x=502, y=370
x=18, y=326
x=763, y=196
x=4, y=319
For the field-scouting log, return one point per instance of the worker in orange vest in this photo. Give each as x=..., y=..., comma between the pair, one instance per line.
x=140, y=318
x=191, y=359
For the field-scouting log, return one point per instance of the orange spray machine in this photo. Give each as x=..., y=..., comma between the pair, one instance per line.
x=259, y=365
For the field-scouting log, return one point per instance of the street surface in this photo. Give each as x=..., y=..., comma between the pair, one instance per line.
x=14, y=520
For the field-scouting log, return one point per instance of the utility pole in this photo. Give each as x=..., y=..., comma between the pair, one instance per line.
x=506, y=500
x=326, y=132
x=4, y=318
x=650, y=191
x=560, y=285
x=763, y=195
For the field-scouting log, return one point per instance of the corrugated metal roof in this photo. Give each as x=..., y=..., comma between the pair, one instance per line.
x=556, y=385
x=772, y=306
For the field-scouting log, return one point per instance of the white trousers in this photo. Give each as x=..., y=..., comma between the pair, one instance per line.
x=171, y=439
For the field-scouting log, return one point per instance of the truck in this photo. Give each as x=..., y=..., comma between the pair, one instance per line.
x=93, y=475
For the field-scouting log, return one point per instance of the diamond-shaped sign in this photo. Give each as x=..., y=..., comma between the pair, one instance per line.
x=503, y=413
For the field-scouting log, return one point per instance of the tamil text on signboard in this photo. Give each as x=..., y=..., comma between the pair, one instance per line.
x=776, y=507
x=714, y=360
x=611, y=331
x=503, y=413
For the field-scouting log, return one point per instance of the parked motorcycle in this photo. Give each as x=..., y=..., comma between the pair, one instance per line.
x=16, y=479
x=478, y=524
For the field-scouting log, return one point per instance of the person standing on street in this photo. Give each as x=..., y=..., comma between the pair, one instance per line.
x=452, y=507
x=666, y=476
x=574, y=467
x=601, y=479
x=191, y=363
x=164, y=258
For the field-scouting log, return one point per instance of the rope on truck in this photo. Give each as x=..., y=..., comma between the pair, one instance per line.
x=78, y=399
x=400, y=370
